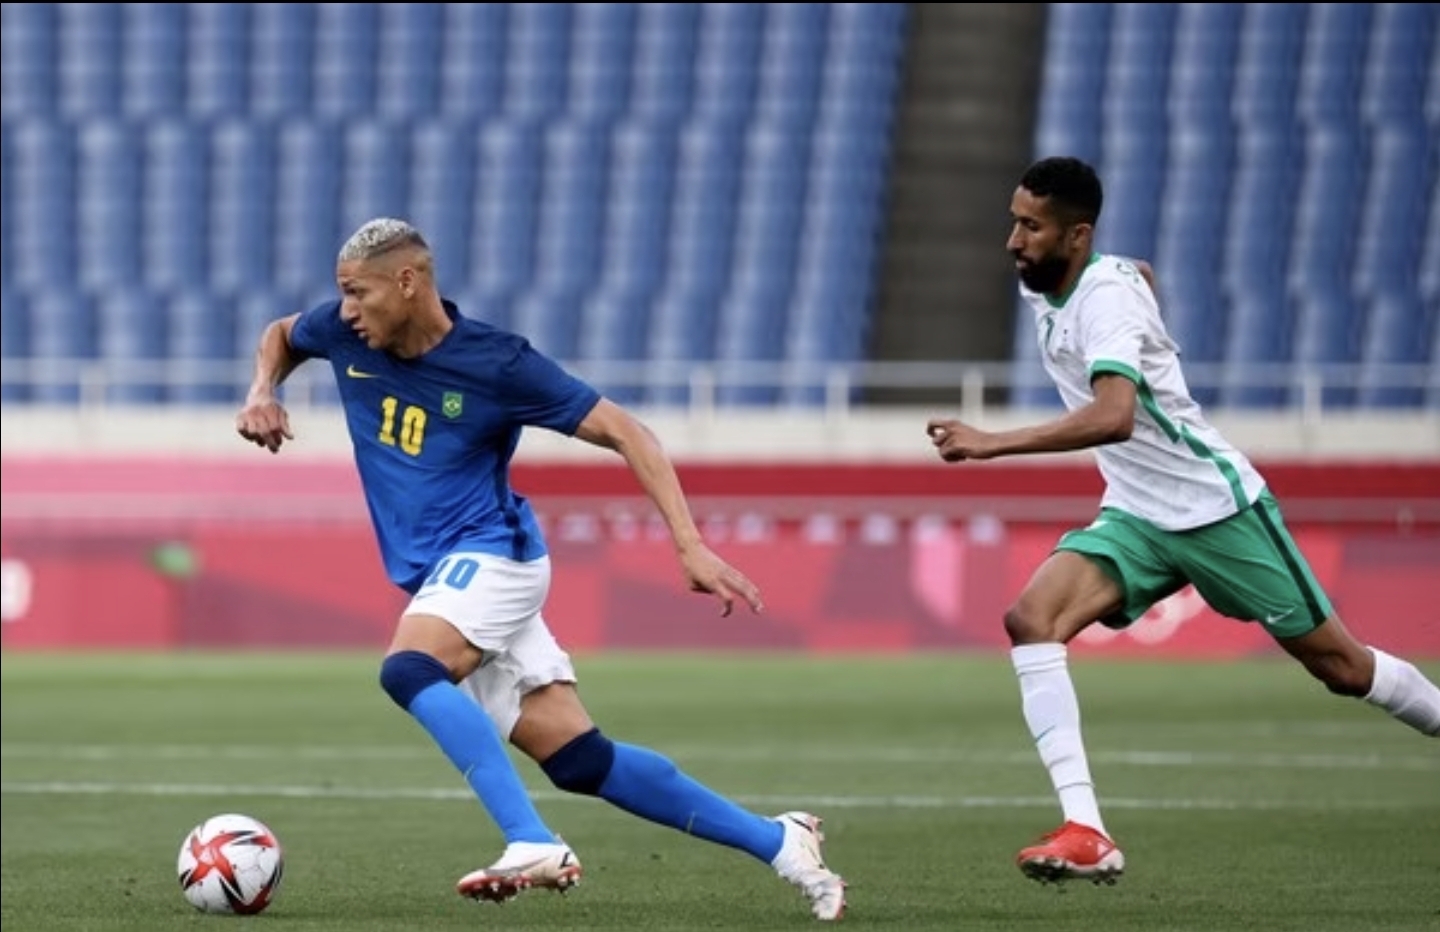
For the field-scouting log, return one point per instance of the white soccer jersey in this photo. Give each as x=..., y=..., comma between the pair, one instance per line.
x=1175, y=471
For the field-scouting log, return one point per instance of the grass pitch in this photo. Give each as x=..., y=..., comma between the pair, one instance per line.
x=1244, y=797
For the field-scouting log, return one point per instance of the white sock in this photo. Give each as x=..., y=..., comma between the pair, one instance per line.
x=1047, y=697
x=1402, y=690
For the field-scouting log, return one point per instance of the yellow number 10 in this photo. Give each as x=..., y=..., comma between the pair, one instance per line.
x=412, y=426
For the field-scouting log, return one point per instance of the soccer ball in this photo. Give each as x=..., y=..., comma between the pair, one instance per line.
x=230, y=863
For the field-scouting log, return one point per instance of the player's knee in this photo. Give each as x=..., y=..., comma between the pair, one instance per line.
x=582, y=765
x=1025, y=627
x=407, y=673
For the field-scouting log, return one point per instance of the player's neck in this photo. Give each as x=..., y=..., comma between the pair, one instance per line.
x=423, y=333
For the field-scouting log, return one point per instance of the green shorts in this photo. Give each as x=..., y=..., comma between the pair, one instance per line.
x=1245, y=567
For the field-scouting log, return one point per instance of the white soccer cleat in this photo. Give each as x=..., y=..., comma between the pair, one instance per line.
x=523, y=866
x=801, y=863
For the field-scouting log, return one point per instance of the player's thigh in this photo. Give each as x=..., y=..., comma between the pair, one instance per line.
x=511, y=685
x=473, y=606
x=1248, y=567
x=1119, y=572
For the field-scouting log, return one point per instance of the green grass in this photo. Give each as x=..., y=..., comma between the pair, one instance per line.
x=1245, y=797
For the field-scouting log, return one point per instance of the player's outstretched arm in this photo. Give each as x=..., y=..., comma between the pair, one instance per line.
x=1109, y=418
x=610, y=426
x=263, y=420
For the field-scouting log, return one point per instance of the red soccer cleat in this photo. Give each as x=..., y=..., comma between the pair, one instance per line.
x=1073, y=851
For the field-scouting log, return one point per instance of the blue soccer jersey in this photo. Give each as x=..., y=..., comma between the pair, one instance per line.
x=433, y=436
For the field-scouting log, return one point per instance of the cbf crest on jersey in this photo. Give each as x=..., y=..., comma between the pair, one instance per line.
x=452, y=404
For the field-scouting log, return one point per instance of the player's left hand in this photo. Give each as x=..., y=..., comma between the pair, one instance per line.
x=956, y=441
x=706, y=572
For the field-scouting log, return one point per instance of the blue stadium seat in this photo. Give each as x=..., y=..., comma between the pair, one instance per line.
x=29, y=60
x=472, y=70
x=252, y=311
x=42, y=204
x=1402, y=47
x=411, y=46
x=1069, y=119
x=1332, y=69
x=1328, y=216
x=64, y=338
x=641, y=187
x=108, y=200
x=1396, y=341
x=309, y=185
x=613, y=327
x=217, y=76
x=346, y=59
x=1390, y=241
x=861, y=73
x=767, y=249
x=1267, y=75
x=1190, y=243
x=89, y=60
x=1134, y=173
x=152, y=59
x=133, y=340
x=572, y=208
x=666, y=43
x=176, y=205
x=507, y=209
x=15, y=347
x=243, y=206
x=442, y=191
x=202, y=345
x=726, y=71
x=8, y=197
x=1206, y=47
x=282, y=44
x=537, y=50
x=376, y=173
x=1142, y=37
x=792, y=64
x=550, y=320
x=601, y=57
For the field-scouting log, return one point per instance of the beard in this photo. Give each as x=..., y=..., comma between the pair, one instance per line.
x=1044, y=275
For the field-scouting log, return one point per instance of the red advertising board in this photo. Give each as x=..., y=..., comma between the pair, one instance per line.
x=873, y=560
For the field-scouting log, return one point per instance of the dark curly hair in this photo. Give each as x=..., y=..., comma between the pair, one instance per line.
x=1072, y=187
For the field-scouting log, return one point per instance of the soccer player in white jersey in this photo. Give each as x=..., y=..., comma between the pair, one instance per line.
x=1181, y=506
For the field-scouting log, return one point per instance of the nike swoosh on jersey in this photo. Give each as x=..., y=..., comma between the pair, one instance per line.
x=354, y=373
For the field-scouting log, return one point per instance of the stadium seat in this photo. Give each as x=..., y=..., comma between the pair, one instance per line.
x=506, y=213
x=726, y=71
x=411, y=50
x=535, y=75
x=1142, y=39
x=152, y=60
x=601, y=56
x=64, y=341
x=42, y=203
x=1401, y=50
x=1267, y=75
x=1206, y=47
x=217, y=41
x=203, y=348
x=89, y=54
x=1072, y=86
x=310, y=181
x=575, y=174
x=1395, y=348
x=442, y=194
x=282, y=44
x=666, y=42
x=29, y=38
x=175, y=214
x=243, y=206
x=133, y=340
x=346, y=58
x=15, y=349
x=792, y=64
x=376, y=172
x=110, y=180
x=472, y=67
x=1390, y=241
x=1332, y=69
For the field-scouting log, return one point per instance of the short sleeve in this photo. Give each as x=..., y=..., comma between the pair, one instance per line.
x=1112, y=331
x=318, y=330
x=539, y=392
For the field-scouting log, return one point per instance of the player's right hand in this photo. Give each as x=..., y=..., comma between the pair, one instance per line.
x=265, y=423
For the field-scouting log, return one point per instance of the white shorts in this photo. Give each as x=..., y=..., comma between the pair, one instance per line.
x=496, y=604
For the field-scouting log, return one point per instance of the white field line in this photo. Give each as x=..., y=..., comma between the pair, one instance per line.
x=764, y=801
x=805, y=754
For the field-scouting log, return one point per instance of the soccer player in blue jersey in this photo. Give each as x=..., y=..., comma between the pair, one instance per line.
x=435, y=403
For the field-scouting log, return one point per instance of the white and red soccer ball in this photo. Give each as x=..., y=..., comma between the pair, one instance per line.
x=231, y=863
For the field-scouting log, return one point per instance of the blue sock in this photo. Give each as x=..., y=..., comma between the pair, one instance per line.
x=649, y=785
x=471, y=741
